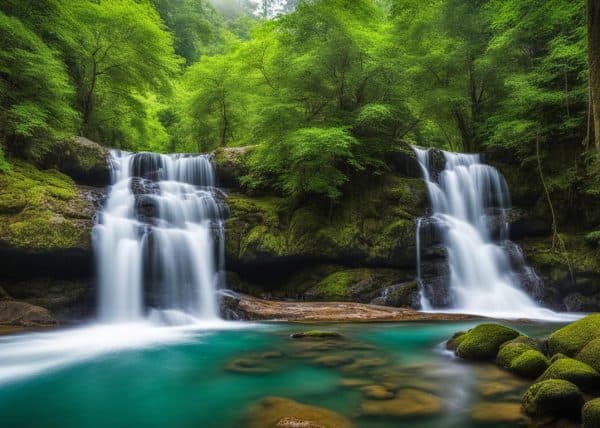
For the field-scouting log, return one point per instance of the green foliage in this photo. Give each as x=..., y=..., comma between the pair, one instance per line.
x=35, y=95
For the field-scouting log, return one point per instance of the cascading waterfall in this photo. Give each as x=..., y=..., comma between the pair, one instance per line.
x=155, y=239
x=482, y=280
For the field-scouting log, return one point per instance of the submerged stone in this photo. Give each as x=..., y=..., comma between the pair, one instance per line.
x=495, y=413
x=553, y=397
x=334, y=360
x=247, y=365
x=317, y=334
x=484, y=341
x=273, y=412
x=376, y=392
x=406, y=404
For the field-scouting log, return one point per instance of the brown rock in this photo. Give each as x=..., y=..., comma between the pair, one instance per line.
x=407, y=403
x=493, y=413
x=15, y=313
x=275, y=412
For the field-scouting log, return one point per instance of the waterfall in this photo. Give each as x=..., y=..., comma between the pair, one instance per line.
x=155, y=240
x=481, y=280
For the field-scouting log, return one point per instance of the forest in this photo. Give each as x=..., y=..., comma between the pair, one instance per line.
x=323, y=92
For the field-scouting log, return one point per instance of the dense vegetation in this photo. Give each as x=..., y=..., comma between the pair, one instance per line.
x=324, y=92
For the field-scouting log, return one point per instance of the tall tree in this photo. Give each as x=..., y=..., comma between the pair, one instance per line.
x=593, y=25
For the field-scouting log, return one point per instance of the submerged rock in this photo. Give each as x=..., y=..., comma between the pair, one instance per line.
x=377, y=392
x=273, y=412
x=23, y=314
x=484, y=341
x=406, y=404
x=317, y=334
x=554, y=397
x=576, y=372
x=591, y=414
x=498, y=413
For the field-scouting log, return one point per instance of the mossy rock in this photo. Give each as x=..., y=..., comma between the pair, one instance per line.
x=576, y=372
x=42, y=210
x=317, y=334
x=484, y=341
x=590, y=414
x=455, y=340
x=350, y=284
x=509, y=351
x=272, y=412
x=570, y=339
x=590, y=354
x=557, y=357
x=85, y=161
x=552, y=398
x=529, y=364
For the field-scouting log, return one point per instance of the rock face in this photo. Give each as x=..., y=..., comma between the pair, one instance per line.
x=353, y=250
x=24, y=314
x=46, y=220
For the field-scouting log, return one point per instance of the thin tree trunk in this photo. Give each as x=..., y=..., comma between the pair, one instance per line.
x=593, y=15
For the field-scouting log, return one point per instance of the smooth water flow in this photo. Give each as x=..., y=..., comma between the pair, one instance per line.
x=155, y=240
x=482, y=280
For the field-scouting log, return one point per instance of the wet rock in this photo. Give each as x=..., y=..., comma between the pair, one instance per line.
x=376, y=392
x=490, y=389
x=281, y=412
x=247, y=365
x=333, y=360
x=398, y=295
x=498, y=413
x=15, y=313
x=554, y=397
x=407, y=403
x=317, y=334
x=364, y=364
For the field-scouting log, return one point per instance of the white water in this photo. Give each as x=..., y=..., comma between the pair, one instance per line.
x=160, y=266
x=482, y=280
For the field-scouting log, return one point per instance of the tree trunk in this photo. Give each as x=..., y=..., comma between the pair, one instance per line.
x=593, y=15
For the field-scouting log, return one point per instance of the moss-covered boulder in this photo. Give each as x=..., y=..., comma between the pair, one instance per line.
x=43, y=210
x=351, y=284
x=529, y=364
x=85, y=161
x=576, y=372
x=554, y=397
x=590, y=354
x=230, y=165
x=590, y=415
x=455, y=340
x=571, y=339
x=484, y=341
x=511, y=350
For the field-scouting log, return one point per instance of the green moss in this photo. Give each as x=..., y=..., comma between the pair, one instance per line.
x=552, y=398
x=509, y=351
x=455, y=340
x=317, y=334
x=570, y=339
x=590, y=414
x=335, y=286
x=582, y=375
x=590, y=354
x=530, y=364
x=593, y=238
x=557, y=357
x=41, y=210
x=484, y=341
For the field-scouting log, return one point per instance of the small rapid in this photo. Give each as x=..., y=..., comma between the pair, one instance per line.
x=481, y=278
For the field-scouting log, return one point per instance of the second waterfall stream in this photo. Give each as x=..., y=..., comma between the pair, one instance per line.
x=156, y=240
x=481, y=277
